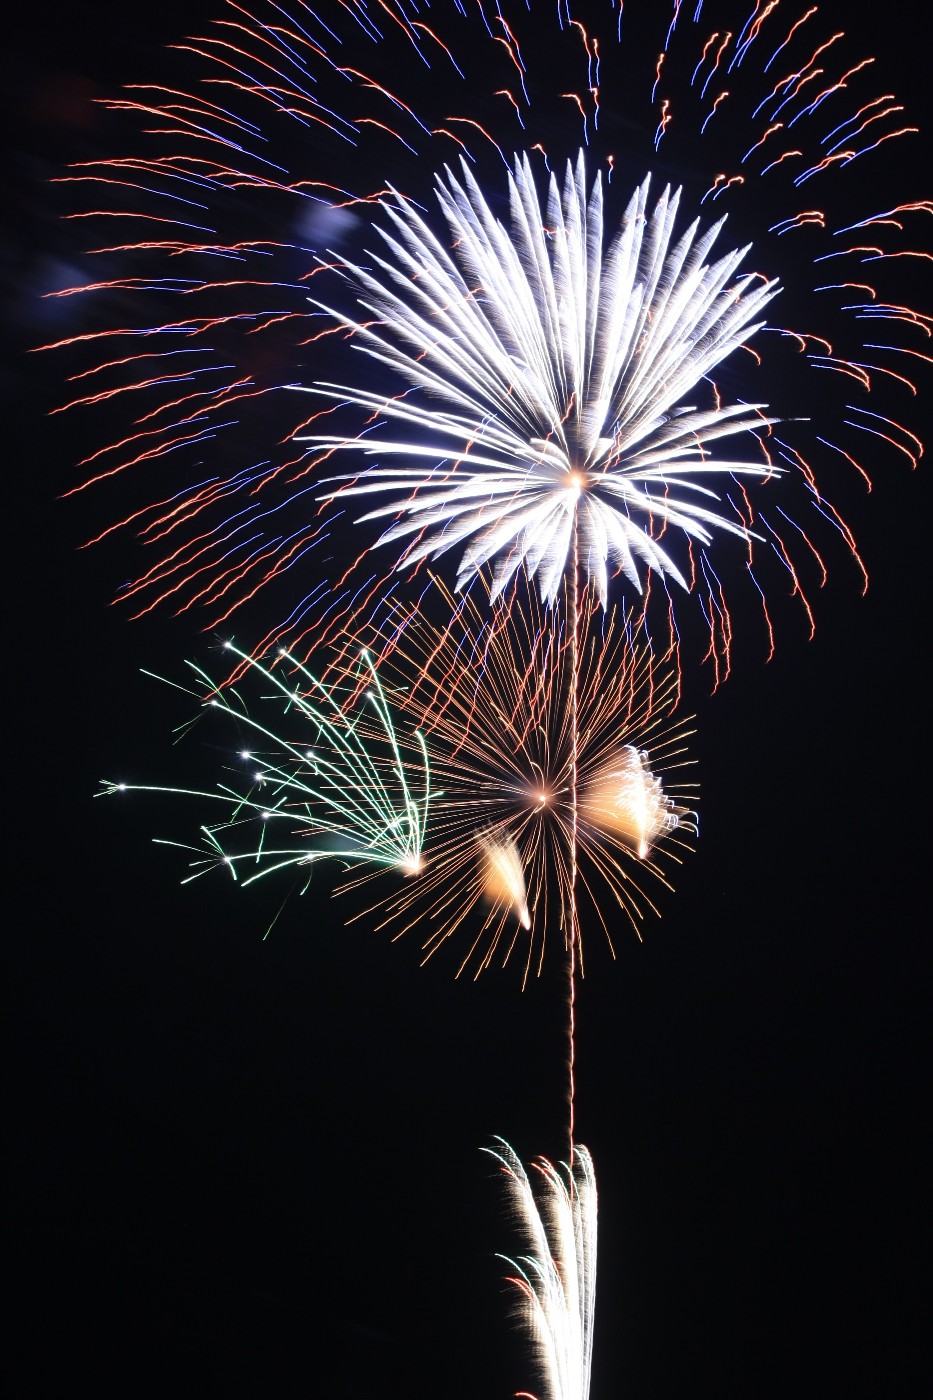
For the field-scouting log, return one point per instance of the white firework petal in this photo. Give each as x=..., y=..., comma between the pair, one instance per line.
x=618, y=528
x=554, y=551
x=530, y=244
x=546, y=541
x=638, y=541
x=697, y=427
x=460, y=516
x=527, y=519
x=466, y=432
x=466, y=495
x=503, y=309
x=689, y=518
x=555, y=372
x=506, y=566
x=595, y=547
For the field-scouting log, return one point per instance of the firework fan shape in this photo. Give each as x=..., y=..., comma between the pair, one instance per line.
x=556, y=1279
x=336, y=785
x=541, y=800
x=557, y=371
x=244, y=196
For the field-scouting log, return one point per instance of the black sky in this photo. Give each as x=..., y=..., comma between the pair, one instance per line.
x=247, y=1166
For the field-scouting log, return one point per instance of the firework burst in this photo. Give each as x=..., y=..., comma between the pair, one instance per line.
x=556, y=370
x=491, y=834
x=336, y=787
x=240, y=201
x=548, y=761
x=536, y=400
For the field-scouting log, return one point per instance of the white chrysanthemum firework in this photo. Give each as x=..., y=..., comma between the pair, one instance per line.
x=555, y=371
x=557, y=1278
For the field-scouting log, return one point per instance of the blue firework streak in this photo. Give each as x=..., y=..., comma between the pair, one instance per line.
x=251, y=176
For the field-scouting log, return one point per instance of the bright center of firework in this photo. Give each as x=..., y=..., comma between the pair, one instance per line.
x=576, y=483
x=412, y=864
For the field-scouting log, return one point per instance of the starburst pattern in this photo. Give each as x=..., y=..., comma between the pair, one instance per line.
x=555, y=369
x=544, y=798
x=537, y=397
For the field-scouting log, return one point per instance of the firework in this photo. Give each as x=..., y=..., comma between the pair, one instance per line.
x=240, y=203
x=627, y=798
x=556, y=1279
x=337, y=787
x=549, y=746
x=550, y=753
x=503, y=877
x=537, y=401
x=556, y=370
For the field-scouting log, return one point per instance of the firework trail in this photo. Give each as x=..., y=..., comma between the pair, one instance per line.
x=556, y=1279
x=338, y=787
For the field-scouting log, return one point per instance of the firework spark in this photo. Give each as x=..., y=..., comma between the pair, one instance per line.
x=532, y=384
x=338, y=787
x=504, y=878
x=543, y=798
x=556, y=1279
x=556, y=371
x=217, y=237
x=629, y=800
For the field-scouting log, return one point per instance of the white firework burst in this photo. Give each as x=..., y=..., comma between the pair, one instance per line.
x=555, y=371
x=557, y=1278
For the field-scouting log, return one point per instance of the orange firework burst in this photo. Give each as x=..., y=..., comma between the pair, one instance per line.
x=533, y=811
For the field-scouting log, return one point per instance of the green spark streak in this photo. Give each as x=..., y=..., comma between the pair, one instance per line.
x=347, y=793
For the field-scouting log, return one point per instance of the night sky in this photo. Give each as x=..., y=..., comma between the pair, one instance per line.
x=252, y=1166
